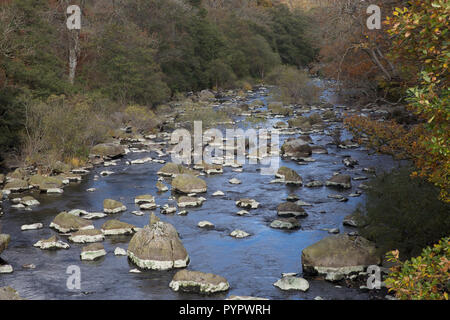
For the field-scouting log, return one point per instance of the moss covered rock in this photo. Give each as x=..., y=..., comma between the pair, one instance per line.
x=113, y=206
x=16, y=185
x=66, y=222
x=339, y=255
x=157, y=247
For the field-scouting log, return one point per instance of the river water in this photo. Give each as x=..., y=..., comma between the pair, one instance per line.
x=250, y=265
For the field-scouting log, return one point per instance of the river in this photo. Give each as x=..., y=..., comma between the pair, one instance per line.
x=250, y=265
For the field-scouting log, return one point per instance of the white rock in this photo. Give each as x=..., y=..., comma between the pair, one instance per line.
x=34, y=226
x=205, y=224
x=218, y=193
x=120, y=252
x=135, y=271
x=292, y=283
x=6, y=268
x=239, y=234
x=55, y=191
x=234, y=181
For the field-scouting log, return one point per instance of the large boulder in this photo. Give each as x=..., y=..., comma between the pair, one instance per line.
x=108, y=150
x=157, y=247
x=199, y=282
x=290, y=209
x=4, y=241
x=186, y=183
x=339, y=255
x=297, y=148
x=289, y=176
x=340, y=180
x=66, y=222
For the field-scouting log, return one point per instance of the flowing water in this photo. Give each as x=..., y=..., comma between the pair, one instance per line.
x=250, y=265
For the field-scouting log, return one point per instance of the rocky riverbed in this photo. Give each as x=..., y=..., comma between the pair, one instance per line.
x=253, y=227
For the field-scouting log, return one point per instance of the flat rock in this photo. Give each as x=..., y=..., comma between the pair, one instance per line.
x=198, y=282
x=290, y=209
x=92, y=252
x=292, y=283
x=66, y=222
x=116, y=227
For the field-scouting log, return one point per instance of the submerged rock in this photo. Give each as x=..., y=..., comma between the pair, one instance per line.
x=339, y=255
x=157, y=247
x=198, y=282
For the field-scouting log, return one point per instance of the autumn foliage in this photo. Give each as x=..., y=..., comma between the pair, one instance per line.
x=425, y=277
x=419, y=34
